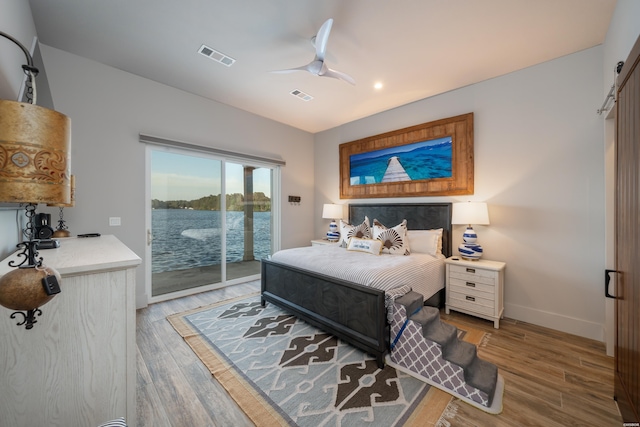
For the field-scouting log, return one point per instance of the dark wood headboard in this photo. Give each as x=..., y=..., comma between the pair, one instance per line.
x=419, y=216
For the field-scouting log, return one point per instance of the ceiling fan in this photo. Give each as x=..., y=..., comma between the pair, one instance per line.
x=318, y=67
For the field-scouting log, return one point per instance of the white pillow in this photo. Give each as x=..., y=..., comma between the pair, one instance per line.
x=426, y=241
x=394, y=239
x=370, y=246
x=347, y=230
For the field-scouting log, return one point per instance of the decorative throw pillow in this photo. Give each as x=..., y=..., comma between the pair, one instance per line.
x=347, y=231
x=425, y=241
x=438, y=231
x=394, y=240
x=370, y=246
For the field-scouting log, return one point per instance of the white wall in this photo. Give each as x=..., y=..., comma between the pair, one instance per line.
x=109, y=108
x=9, y=231
x=539, y=166
x=622, y=34
x=15, y=20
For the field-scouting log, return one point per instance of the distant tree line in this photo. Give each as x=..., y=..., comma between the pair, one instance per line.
x=235, y=202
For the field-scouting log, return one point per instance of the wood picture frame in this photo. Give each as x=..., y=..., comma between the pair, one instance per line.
x=426, y=148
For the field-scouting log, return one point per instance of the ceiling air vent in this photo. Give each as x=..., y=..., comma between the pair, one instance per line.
x=300, y=94
x=216, y=56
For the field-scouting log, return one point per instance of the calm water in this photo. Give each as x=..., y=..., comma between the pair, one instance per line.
x=184, y=238
x=423, y=163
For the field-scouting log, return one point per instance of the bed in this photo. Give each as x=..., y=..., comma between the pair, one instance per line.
x=348, y=310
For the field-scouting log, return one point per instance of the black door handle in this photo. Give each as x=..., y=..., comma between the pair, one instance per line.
x=607, y=280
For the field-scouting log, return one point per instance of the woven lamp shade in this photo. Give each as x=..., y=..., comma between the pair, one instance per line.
x=72, y=202
x=35, y=155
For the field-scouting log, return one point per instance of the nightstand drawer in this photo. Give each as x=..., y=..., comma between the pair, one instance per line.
x=472, y=303
x=470, y=274
x=473, y=287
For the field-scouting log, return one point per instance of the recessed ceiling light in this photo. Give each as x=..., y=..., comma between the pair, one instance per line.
x=377, y=85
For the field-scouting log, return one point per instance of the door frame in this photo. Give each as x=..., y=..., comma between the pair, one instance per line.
x=609, y=226
x=275, y=222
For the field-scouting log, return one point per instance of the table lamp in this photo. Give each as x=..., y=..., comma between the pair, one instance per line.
x=470, y=213
x=332, y=212
x=34, y=168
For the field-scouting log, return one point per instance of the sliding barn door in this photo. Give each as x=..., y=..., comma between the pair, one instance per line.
x=627, y=351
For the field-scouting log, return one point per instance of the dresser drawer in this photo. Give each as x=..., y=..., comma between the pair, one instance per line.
x=472, y=303
x=470, y=274
x=473, y=288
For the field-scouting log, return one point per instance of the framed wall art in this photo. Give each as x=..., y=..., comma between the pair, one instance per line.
x=431, y=159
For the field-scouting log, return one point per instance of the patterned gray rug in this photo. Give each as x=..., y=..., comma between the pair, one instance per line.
x=283, y=371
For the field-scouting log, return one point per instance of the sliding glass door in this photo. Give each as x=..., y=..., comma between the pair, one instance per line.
x=248, y=218
x=210, y=221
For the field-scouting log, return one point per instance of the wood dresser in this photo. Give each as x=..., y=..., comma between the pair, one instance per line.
x=77, y=365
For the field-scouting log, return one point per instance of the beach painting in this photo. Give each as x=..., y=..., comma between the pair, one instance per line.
x=412, y=162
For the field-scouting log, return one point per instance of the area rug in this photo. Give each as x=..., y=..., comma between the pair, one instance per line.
x=284, y=372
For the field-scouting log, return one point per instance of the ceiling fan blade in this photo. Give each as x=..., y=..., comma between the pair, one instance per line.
x=338, y=75
x=289, y=70
x=314, y=67
x=321, y=39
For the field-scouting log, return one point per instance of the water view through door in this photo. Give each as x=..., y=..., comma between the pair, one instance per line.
x=210, y=221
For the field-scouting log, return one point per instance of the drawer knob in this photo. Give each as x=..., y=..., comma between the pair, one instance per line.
x=471, y=270
x=471, y=284
x=470, y=298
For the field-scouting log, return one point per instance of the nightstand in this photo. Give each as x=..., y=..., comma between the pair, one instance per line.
x=319, y=242
x=475, y=288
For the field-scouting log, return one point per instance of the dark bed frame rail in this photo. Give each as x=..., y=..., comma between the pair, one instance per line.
x=351, y=312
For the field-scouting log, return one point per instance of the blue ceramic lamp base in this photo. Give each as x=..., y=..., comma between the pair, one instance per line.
x=470, y=249
x=333, y=235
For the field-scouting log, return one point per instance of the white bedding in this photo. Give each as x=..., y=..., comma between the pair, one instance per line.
x=423, y=272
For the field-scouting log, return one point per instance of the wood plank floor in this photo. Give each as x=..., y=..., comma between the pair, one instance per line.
x=552, y=378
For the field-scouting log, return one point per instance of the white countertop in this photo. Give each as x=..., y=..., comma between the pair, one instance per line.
x=77, y=255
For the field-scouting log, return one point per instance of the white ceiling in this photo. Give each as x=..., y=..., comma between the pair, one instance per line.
x=416, y=48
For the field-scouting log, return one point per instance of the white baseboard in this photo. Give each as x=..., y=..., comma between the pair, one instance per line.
x=142, y=301
x=580, y=327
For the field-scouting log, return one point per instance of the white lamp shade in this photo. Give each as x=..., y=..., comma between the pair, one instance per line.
x=331, y=211
x=470, y=213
